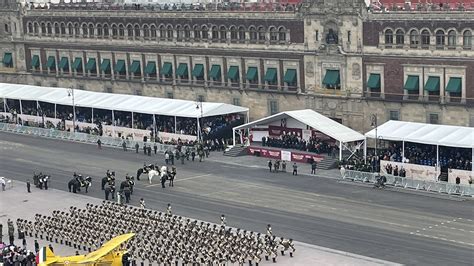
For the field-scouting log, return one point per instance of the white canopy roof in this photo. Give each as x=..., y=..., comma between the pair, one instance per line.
x=117, y=102
x=452, y=136
x=315, y=120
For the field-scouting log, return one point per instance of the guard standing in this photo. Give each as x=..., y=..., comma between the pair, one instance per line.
x=46, y=182
x=137, y=147
x=107, y=192
x=155, y=148
x=163, y=180
x=144, y=148
x=28, y=186
x=313, y=167
x=295, y=169
x=142, y=203
x=283, y=166
x=149, y=150
x=270, y=165
x=124, y=146
x=127, y=192
x=99, y=144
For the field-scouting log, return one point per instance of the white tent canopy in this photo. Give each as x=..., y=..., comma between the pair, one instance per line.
x=442, y=135
x=315, y=120
x=117, y=102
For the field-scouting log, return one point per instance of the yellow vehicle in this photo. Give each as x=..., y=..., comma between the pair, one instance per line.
x=109, y=254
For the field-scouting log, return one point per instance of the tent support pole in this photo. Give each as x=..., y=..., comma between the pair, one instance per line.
x=55, y=112
x=340, y=151
x=198, y=129
x=37, y=108
x=154, y=128
x=175, y=125
x=5, y=105
x=438, y=167
x=248, y=121
x=92, y=116
x=233, y=137
x=21, y=112
x=365, y=150
x=403, y=152
x=113, y=124
x=132, y=120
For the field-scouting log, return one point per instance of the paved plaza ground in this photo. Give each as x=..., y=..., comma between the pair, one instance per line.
x=408, y=228
x=15, y=203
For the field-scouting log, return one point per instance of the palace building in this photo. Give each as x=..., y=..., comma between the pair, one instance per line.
x=337, y=57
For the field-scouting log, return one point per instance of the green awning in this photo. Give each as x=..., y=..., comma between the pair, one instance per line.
x=150, y=68
x=7, y=59
x=182, y=70
x=77, y=64
x=135, y=67
x=91, y=65
x=105, y=66
x=432, y=84
x=35, y=61
x=166, y=69
x=374, y=81
x=120, y=66
x=252, y=74
x=198, y=71
x=332, y=78
x=454, y=85
x=51, y=63
x=290, y=76
x=271, y=75
x=412, y=83
x=63, y=63
x=215, y=72
x=233, y=73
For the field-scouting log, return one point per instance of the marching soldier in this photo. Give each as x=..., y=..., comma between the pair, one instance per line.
x=269, y=230
x=168, y=210
x=223, y=222
x=142, y=203
x=155, y=148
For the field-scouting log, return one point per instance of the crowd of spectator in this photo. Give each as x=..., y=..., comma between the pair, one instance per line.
x=290, y=140
x=423, y=154
x=419, y=6
x=12, y=255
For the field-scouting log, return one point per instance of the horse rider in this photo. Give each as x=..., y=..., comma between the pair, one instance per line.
x=171, y=176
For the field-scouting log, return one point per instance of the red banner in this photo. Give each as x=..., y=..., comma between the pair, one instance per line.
x=303, y=157
x=268, y=153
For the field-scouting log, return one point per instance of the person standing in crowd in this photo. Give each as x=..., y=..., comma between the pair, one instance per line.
x=37, y=246
x=313, y=167
x=11, y=231
x=193, y=155
x=144, y=148
x=168, y=210
x=167, y=157
x=124, y=145
x=295, y=169
x=283, y=166
x=28, y=186
x=127, y=193
x=149, y=150
x=46, y=179
x=270, y=164
x=137, y=147
x=155, y=148
x=142, y=203
x=107, y=190
x=223, y=221
x=99, y=144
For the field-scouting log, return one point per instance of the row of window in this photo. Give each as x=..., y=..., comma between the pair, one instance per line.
x=167, y=72
x=423, y=38
x=163, y=32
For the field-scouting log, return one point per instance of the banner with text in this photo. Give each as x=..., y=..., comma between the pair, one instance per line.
x=464, y=175
x=415, y=171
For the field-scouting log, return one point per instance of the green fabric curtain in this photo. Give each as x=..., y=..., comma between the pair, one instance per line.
x=51, y=63
x=290, y=76
x=374, y=81
x=215, y=72
x=271, y=75
x=64, y=63
x=412, y=83
x=91, y=65
x=150, y=68
x=198, y=71
x=332, y=78
x=120, y=67
x=35, y=62
x=252, y=74
x=454, y=85
x=77, y=64
x=432, y=84
x=135, y=67
x=167, y=69
x=182, y=70
x=105, y=65
x=233, y=73
x=7, y=59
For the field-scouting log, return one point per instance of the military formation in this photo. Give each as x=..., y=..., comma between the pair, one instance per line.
x=161, y=237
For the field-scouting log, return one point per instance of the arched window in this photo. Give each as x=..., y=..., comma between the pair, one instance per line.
x=273, y=34
x=63, y=29
x=114, y=31
x=30, y=28
x=36, y=28
x=70, y=29
x=204, y=32
x=91, y=30
x=241, y=33
x=56, y=29
x=282, y=34
x=43, y=28
x=440, y=39
x=187, y=32
x=137, y=31
x=467, y=39
x=452, y=38
x=261, y=34
x=121, y=30
x=197, y=32
x=253, y=34
x=169, y=33
x=146, y=32
x=49, y=29
x=414, y=38
x=388, y=36
x=162, y=32
x=223, y=33
x=233, y=33
x=425, y=38
x=77, y=30
x=106, y=30
x=180, y=35
x=153, y=32
x=130, y=31
x=84, y=30
x=215, y=33
x=400, y=37
x=99, y=31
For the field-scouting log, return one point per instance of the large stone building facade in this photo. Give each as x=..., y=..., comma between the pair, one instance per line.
x=332, y=56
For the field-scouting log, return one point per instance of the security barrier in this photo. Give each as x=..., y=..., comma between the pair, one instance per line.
x=410, y=183
x=80, y=137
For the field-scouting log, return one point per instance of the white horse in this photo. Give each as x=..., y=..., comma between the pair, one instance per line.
x=151, y=174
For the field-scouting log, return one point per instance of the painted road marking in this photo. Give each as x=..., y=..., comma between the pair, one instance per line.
x=179, y=180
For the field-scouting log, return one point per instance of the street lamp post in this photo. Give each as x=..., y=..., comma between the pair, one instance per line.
x=70, y=93
x=374, y=124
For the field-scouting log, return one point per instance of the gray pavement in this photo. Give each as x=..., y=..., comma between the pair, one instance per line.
x=400, y=227
x=15, y=203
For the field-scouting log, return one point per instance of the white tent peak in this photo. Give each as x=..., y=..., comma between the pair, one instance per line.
x=118, y=102
x=315, y=120
x=442, y=135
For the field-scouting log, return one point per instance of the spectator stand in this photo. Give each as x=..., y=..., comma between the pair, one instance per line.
x=301, y=136
x=117, y=115
x=453, y=147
